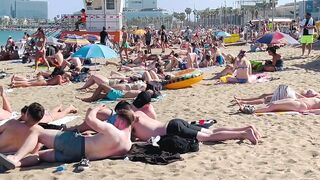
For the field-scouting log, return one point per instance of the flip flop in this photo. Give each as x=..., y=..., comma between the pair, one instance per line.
x=6, y=162
x=204, y=123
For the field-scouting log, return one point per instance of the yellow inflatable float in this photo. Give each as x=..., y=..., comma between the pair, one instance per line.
x=183, y=79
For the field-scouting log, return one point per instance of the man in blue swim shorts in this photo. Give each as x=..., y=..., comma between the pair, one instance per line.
x=106, y=92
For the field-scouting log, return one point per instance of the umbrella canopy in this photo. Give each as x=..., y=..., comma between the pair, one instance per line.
x=95, y=51
x=223, y=34
x=140, y=32
x=52, y=41
x=91, y=37
x=277, y=38
x=75, y=39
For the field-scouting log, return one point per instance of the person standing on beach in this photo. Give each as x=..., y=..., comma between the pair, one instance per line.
x=82, y=20
x=124, y=44
x=104, y=36
x=148, y=38
x=40, y=39
x=308, y=26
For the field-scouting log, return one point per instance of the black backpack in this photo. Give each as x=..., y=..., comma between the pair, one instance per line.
x=177, y=144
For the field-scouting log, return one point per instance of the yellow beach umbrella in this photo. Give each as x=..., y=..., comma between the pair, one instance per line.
x=140, y=32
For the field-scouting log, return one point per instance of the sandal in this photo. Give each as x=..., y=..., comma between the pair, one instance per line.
x=248, y=109
x=83, y=164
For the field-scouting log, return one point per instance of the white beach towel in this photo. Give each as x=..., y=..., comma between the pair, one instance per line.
x=310, y=23
x=58, y=122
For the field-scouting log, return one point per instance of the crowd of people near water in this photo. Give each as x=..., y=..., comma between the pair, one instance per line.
x=116, y=130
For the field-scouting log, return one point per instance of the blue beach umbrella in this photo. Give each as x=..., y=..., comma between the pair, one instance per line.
x=95, y=51
x=223, y=34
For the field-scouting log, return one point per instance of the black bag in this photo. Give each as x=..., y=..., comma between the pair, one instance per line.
x=156, y=87
x=177, y=144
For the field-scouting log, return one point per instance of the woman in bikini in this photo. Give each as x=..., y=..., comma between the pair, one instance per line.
x=242, y=70
x=277, y=63
x=40, y=48
x=17, y=81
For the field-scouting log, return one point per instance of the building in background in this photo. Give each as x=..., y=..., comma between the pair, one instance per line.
x=143, y=9
x=31, y=9
x=311, y=6
x=7, y=8
x=141, y=4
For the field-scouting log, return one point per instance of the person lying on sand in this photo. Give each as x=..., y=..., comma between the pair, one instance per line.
x=71, y=147
x=13, y=133
x=121, y=83
x=19, y=129
x=17, y=81
x=303, y=105
x=146, y=127
x=107, y=92
x=6, y=110
x=141, y=103
x=282, y=92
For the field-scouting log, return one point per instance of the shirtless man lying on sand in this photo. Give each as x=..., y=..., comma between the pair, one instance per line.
x=145, y=127
x=19, y=129
x=303, y=105
x=141, y=103
x=17, y=81
x=72, y=147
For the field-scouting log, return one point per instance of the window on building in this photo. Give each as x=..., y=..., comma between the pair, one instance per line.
x=110, y=4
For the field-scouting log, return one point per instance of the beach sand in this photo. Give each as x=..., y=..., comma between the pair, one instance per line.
x=290, y=147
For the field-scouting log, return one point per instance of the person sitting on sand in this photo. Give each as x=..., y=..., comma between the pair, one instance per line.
x=71, y=147
x=145, y=128
x=282, y=92
x=277, y=63
x=242, y=70
x=17, y=81
x=6, y=110
x=302, y=105
x=107, y=92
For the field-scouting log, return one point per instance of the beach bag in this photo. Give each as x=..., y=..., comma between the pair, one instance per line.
x=177, y=144
x=156, y=87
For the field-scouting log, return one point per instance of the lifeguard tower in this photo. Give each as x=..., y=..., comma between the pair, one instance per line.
x=101, y=13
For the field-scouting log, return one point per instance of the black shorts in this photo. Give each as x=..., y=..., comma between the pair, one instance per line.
x=148, y=43
x=182, y=128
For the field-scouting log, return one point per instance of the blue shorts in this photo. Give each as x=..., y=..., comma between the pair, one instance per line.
x=69, y=147
x=220, y=60
x=242, y=81
x=114, y=94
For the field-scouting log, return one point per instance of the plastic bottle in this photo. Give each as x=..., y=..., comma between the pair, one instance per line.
x=60, y=169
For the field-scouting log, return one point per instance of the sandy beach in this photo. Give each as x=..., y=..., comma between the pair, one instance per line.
x=290, y=147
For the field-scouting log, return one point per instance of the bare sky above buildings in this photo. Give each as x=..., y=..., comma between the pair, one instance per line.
x=57, y=7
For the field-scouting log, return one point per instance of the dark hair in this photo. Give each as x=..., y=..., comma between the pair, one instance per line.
x=176, y=55
x=273, y=49
x=122, y=105
x=308, y=14
x=142, y=99
x=83, y=10
x=36, y=111
x=24, y=109
x=163, y=27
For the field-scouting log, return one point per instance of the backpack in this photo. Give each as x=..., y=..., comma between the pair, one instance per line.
x=177, y=144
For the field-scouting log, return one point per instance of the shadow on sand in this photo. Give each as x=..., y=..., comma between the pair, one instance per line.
x=310, y=66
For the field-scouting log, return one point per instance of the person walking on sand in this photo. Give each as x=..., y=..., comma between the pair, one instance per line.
x=82, y=20
x=308, y=26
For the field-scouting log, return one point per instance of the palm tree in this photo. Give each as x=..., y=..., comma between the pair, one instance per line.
x=229, y=14
x=188, y=11
x=195, y=13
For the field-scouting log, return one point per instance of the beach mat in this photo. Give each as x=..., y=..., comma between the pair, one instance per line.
x=278, y=113
x=105, y=101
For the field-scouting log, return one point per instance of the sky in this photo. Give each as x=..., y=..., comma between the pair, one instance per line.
x=57, y=7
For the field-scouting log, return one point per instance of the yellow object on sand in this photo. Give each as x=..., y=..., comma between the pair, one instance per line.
x=183, y=79
x=140, y=32
x=225, y=78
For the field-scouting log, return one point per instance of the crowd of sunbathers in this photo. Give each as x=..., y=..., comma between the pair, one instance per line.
x=108, y=132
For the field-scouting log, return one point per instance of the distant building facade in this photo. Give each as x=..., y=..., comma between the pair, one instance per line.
x=24, y=9
x=141, y=4
x=31, y=9
x=143, y=8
